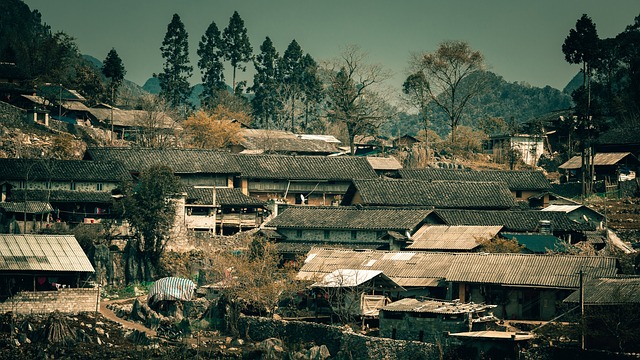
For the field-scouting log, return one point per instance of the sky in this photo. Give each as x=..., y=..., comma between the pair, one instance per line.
x=521, y=40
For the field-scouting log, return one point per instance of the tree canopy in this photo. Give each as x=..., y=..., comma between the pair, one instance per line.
x=210, y=50
x=174, y=78
x=237, y=47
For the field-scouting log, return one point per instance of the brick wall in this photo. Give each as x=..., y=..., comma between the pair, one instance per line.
x=64, y=300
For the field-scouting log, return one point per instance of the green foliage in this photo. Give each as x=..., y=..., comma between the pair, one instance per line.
x=174, y=83
x=237, y=48
x=266, y=103
x=113, y=69
x=210, y=50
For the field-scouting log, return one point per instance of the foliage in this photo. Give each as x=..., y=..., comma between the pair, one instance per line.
x=210, y=50
x=237, y=48
x=468, y=141
x=353, y=99
x=114, y=70
x=447, y=78
x=499, y=245
x=214, y=131
x=151, y=212
x=266, y=80
x=176, y=70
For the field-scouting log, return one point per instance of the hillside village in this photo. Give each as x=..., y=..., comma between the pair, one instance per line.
x=153, y=230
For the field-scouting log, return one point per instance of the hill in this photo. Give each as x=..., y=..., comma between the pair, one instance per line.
x=130, y=88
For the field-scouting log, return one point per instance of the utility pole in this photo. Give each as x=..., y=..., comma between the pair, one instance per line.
x=582, y=322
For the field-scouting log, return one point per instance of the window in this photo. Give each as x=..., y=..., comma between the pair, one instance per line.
x=327, y=234
x=99, y=186
x=354, y=235
x=22, y=184
x=48, y=185
x=519, y=194
x=72, y=186
x=298, y=234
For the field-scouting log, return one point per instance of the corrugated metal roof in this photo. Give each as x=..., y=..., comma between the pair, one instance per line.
x=347, y=278
x=609, y=291
x=539, y=243
x=442, y=237
x=601, y=159
x=42, y=253
x=384, y=163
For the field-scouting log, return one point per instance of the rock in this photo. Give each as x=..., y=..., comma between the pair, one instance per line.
x=228, y=340
x=16, y=343
x=237, y=342
x=99, y=331
x=318, y=353
x=98, y=341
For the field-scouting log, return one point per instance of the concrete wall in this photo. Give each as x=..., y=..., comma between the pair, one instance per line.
x=341, y=345
x=42, y=302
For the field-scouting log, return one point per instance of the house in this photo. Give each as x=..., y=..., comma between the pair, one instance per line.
x=193, y=166
x=303, y=227
x=436, y=194
x=525, y=286
x=34, y=216
x=451, y=238
x=368, y=145
x=528, y=147
x=234, y=211
x=133, y=125
x=607, y=166
x=385, y=166
x=309, y=180
x=405, y=142
x=65, y=104
x=522, y=184
x=538, y=243
x=526, y=221
x=79, y=191
x=429, y=320
x=44, y=273
x=261, y=141
x=580, y=214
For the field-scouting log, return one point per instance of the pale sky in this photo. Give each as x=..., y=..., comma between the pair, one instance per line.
x=521, y=40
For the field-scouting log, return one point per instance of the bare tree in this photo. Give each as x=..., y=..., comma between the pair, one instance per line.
x=452, y=75
x=156, y=127
x=355, y=95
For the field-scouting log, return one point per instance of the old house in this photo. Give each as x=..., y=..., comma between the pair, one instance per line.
x=24, y=216
x=65, y=104
x=78, y=191
x=44, y=273
x=193, y=166
x=436, y=194
x=261, y=141
x=428, y=320
x=580, y=214
x=513, y=147
x=385, y=166
x=522, y=184
x=309, y=180
x=612, y=167
x=133, y=125
x=451, y=238
x=356, y=228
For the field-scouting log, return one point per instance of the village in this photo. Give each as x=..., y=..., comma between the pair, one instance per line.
x=314, y=212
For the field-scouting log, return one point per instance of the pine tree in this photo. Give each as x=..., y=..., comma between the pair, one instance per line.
x=311, y=87
x=237, y=48
x=292, y=71
x=210, y=64
x=174, y=83
x=113, y=69
x=266, y=105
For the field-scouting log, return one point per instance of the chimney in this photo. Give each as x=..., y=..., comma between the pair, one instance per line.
x=544, y=227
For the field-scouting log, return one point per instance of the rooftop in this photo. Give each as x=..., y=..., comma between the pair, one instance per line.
x=517, y=221
x=42, y=253
x=304, y=167
x=62, y=170
x=443, y=237
x=515, y=180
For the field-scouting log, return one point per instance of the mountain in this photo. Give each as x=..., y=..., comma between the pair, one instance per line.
x=130, y=88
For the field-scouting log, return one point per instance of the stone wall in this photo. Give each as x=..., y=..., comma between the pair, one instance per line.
x=41, y=302
x=341, y=344
x=11, y=115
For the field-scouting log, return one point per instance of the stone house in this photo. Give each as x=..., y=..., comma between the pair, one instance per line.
x=25, y=216
x=522, y=184
x=45, y=273
x=432, y=194
x=428, y=320
x=78, y=191
x=302, y=227
x=308, y=180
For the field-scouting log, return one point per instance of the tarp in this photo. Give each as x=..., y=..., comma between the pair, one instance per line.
x=171, y=288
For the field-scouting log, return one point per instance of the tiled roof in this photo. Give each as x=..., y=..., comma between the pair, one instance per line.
x=62, y=170
x=181, y=161
x=518, y=221
x=430, y=268
x=435, y=306
x=29, y=207
x=304, y=167
x=384, y=163
x=42, y=253
x=438, y=194
x=600, y=159
x=442, y=237
x=348, y=218
x=61, y=196
x=301, y=248
x=224, y=196
x=134, y=118
x=558, y=271
x=609, y=291
x=515, y=180
x=272, y=141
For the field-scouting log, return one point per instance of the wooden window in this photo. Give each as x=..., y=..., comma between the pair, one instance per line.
x=99, y=186
x=298, y=234
x=354, y=235
x=327, y=234
x=72, y=186
x=519, y=194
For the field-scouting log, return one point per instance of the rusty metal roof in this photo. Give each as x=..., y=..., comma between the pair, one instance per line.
x=42, y=253
x=442, y=237
x=599, y=160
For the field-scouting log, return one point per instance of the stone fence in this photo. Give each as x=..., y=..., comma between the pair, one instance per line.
x=341, y=344
x=69, y=301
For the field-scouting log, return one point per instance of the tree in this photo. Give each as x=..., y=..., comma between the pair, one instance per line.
x=581, y=47
x=416, y=90
x=237, y=48
x=151, y=214
x=174, y=83
x=210, y=50
x=266, y=80
x=291, y=70
x=353, y=99
x=155, y=126
x=113, y=69
x=499, y=245
x=212, y=131
x=311, y=87
x=447, y=73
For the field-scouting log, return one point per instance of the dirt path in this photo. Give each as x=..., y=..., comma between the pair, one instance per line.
x=107, y=313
